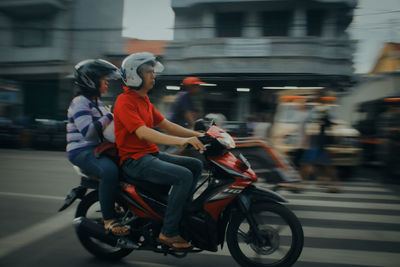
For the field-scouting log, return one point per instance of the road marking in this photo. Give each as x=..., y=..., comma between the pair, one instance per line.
x=10, y=194
x=323, y=195
x=350, y=257
x=337, y=256
x=344, y=188
x=353, y=234
x=340, y=233
x=351, y=217
x=351, y=183
x=36, y=232
x=147, y=264
x=36, y=155
x=344, y=204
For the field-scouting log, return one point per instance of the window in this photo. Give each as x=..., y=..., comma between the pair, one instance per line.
x=32, y=32
x=315, y=20
x=229, y=24
x=343, y=19
x=276, y=23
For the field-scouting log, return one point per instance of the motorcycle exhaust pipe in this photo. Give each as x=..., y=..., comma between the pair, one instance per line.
x=87, y=227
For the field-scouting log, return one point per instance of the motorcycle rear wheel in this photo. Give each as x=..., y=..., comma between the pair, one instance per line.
x=281, y=233
x=89, y=208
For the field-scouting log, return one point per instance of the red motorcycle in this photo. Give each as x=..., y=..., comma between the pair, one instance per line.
x=259, y=230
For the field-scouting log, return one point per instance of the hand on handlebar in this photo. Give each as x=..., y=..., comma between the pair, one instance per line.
x=195, y=142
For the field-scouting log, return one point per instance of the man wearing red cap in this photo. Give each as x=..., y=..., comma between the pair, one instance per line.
x=187, y=108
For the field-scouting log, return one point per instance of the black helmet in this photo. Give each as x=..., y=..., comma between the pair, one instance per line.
x=88, y=73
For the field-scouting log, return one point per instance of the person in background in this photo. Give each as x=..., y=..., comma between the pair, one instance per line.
x=135, y=116
x=87, y=116
x=316, y=160
x=303, y=116
x=188, y=106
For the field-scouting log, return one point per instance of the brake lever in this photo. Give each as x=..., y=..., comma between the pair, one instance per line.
x=187, y=146
x=206, y=145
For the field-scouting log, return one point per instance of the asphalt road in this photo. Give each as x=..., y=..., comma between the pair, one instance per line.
x=358, y=227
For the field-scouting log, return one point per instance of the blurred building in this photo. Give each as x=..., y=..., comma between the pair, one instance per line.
x=244, y=48
x=382, y=81
x=41, y=40
x=388, y=60
x=373, y=106
x=156, y=47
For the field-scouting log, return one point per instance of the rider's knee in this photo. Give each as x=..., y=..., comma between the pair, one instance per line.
x=185, y=177
x=198, y=164
x=110, y=173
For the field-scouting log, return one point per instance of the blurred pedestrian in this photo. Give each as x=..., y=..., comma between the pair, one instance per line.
x=188, y=107
x=302, y=117
x=87, y=118
x=316, y=160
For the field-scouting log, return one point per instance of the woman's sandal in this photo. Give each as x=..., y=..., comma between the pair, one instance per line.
x=175, y=242
x=116, y=228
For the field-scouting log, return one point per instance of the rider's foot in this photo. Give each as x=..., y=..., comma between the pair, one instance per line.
x=175, y=242
x=116, y=228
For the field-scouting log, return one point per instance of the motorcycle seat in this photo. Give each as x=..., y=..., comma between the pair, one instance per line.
x=157, y=191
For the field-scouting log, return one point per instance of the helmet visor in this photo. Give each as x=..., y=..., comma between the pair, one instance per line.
x=158, y=67
x=151, y=66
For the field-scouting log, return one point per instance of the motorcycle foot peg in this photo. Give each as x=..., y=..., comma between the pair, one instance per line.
x=126, y=243
x=165, y=249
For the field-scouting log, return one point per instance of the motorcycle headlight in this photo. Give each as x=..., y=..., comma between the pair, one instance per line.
x=226, y=140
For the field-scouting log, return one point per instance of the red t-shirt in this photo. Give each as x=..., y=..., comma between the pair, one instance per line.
x=132, y=111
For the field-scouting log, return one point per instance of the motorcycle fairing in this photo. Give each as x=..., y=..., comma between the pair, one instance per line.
x=138, y=205
x=235, y=167
x=215, y=208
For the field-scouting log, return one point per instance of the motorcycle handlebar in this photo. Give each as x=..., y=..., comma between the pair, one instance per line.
x=205, y=139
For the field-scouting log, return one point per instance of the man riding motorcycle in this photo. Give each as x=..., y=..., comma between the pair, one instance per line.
x=140, y=158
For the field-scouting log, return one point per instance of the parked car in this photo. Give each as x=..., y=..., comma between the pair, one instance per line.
x=49, y=134
x=9, y=133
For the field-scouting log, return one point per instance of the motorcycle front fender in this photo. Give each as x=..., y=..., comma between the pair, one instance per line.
x=77, y=192
x=254, y=194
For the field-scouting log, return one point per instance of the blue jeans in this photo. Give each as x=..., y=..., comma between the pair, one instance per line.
x=181, y=172
x=105, y=169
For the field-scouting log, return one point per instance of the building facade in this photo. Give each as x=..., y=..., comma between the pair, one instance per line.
x=253, y=45
x=41, y=41
x=383, y=81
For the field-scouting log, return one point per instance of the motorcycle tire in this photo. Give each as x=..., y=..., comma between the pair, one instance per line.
x=94, y=246
x=271, y=237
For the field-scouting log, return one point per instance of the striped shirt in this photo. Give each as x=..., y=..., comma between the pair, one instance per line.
x=81, y=131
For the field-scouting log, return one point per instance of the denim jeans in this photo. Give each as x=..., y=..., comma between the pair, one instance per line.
x=181, y=172
x=105, y=169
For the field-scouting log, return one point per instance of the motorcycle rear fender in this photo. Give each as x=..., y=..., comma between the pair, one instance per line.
x=77, y=192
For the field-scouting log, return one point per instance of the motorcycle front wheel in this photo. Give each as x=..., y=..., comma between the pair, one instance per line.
x=89, y=208
x=278, y=241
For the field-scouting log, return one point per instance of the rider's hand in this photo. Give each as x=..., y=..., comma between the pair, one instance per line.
x=195, y=142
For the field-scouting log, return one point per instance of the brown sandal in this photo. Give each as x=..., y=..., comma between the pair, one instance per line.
x=116, y=228
x=175, y=242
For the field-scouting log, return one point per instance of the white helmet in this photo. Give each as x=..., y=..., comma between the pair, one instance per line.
x=131, y=64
